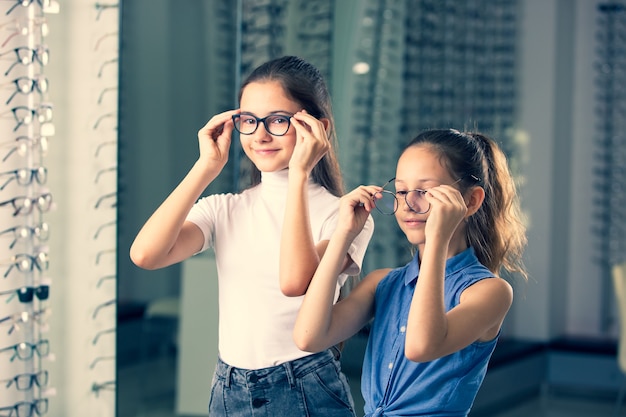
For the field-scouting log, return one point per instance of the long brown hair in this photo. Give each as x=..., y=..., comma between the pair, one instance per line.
x=304, y=84
x=496, y=231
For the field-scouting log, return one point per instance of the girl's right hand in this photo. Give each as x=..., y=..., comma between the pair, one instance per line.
x=355, y=207
x=215, y=137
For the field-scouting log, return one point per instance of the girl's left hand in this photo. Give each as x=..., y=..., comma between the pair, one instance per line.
x=311, y=142
x=447, y=210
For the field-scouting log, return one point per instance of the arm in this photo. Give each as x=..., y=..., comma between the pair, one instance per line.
x=166, y=238
x=431, y=331
x=321, y=323
x=299, y=256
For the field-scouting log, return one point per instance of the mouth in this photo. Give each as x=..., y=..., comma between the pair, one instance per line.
x=265, y=151
x=413, y=222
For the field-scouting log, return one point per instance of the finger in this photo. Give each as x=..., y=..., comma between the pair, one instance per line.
x=367, y=195
x=217, y=123
x=309, y=124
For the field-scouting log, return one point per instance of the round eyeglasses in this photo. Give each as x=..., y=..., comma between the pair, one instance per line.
x=415, y=199
x=275, y=124
x=387, y=202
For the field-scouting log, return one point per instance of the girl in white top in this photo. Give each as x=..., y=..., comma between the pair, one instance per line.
x=268, y=241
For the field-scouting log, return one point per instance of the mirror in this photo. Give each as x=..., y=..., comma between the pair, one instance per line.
x=390, y=73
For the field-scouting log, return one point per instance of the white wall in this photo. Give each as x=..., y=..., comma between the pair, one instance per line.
x=73, y=166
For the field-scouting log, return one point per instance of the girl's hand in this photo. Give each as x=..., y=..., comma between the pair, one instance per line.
x=215, y=137
x=447, y=210
x=311, y=142
x=355, y=207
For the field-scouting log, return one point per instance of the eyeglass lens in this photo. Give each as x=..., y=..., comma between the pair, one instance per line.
x=27, y=294
x=275, y=124
x=415, y=199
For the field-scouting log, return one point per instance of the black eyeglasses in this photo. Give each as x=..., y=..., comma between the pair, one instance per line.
x=27, y=408
x=26, y=85
x=275, y=124
x=28, y=56
x=28, y=294
x=24, y=382
x=415, y=199
x=25, y=176
x=24, y=115
x=25, y=3
x=24, y=205
x=40, y=231
x=24, y=350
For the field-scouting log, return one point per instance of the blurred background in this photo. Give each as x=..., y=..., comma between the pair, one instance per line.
x=130, y=83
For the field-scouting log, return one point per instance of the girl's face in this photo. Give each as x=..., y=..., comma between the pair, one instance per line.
x=419, y=167
x=267, y=152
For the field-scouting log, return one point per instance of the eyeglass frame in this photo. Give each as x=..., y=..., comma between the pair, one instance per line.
x=27, y=85
x=37, y=378
x=26, y=3
x=422, y=192
x=23, y=141
x=25, y=176
x=39, y=261
x=42, y=202
x=262, y=120
x=40, y=54
x=39, y=407
x=27, y=294
x=40, y=231
x=24, y=317
x=34, y=347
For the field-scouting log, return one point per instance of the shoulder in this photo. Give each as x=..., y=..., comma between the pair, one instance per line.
x=375, y=277
x=490, y=289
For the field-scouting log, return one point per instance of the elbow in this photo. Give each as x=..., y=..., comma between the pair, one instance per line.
x=291, y=289
x=420, y=352
x=306, y=343
x=142, y=259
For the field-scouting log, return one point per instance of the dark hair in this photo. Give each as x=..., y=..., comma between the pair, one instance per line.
x=496, y=231
x=304, y=84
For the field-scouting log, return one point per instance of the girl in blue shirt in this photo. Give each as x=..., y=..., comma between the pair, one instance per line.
x=436, y=319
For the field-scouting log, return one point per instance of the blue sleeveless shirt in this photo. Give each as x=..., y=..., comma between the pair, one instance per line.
x=391, y=384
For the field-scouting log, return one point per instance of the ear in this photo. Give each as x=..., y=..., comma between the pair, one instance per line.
x=326, y=123
x=475, y=198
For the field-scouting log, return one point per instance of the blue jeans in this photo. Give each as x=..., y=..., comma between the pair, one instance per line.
x=309, y=387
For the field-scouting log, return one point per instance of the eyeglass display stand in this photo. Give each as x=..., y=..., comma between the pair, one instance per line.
x=610, y=156
x=21, y=59
x=100, y=358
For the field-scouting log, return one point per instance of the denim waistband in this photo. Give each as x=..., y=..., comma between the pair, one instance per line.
x=289, y=371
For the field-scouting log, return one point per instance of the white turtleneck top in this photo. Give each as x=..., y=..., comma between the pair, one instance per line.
x=255, y=319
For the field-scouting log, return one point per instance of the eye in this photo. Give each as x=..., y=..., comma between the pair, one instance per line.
x=401, y=192
x=278, y=119
x=247, y=119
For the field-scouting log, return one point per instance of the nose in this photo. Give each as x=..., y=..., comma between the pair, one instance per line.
x=261, y=134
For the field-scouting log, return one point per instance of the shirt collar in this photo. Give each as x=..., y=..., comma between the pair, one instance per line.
x=454, y=264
